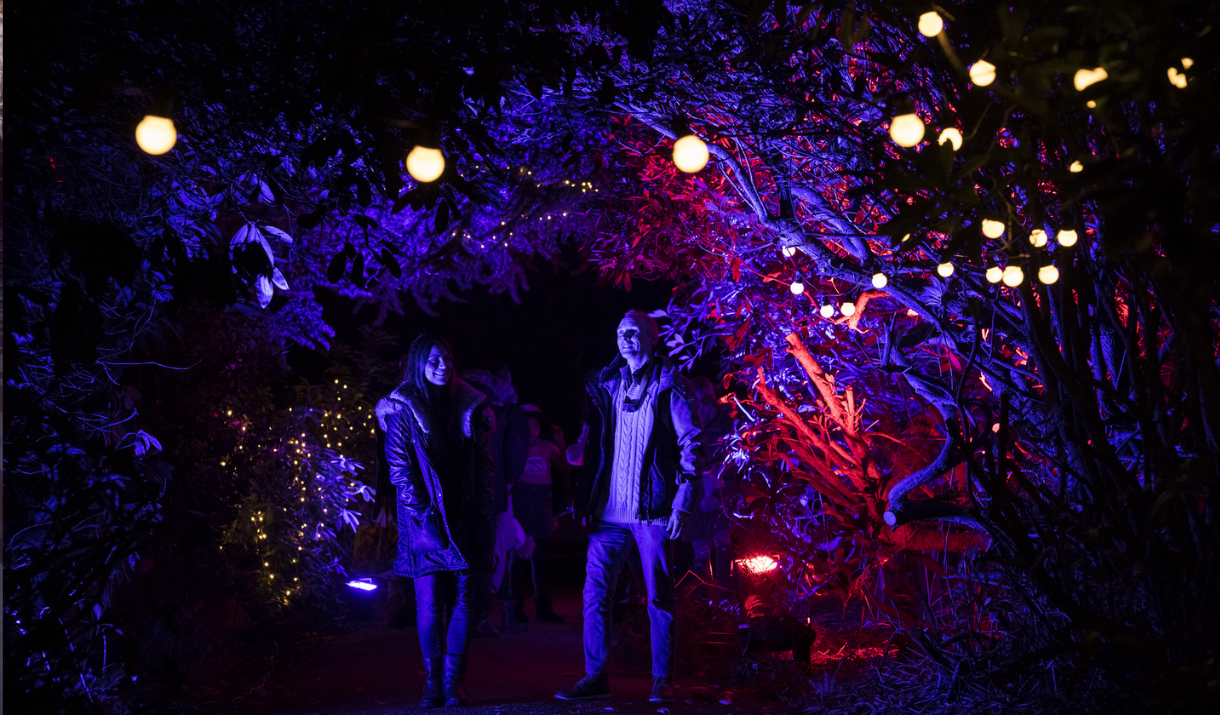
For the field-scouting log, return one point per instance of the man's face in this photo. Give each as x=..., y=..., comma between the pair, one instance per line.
x=634, y=340
x=439, y=366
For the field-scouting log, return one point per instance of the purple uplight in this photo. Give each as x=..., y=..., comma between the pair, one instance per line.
x=362, y=585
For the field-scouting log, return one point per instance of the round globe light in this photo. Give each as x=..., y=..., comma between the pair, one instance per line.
x=788, y=251
x=1037, y=238
x=1013, y=276
x=690, y=154
x=1048, y=274
x=879, y=280
x=1187, y=62
x=945, y=269
x=951, y=135
x=930, y=24
x=994, y=274
x=797, y=287
x=1085, y=78
x=1067, y=238
x=848, y=309
x=425, y=164
x=156, y=135
x=982, y=73
x=1176, y=78
x=906, y=130
x=993, y=228
x=1076, y=167
x=827, y=311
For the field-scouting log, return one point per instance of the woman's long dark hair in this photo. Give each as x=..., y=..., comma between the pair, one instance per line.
x=438, y=402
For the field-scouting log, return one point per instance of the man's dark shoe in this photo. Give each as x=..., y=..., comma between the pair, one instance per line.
x=662, y=691
x=590, y=687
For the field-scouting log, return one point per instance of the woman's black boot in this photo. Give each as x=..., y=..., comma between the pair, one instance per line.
x=455, y=680
x=434, y=696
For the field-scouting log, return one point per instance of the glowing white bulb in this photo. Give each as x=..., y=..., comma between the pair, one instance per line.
x=951, y=135
x=1076, y=167
x=1176, y=78
x=827, y=311
x=993, y=228
x=930, y=24
x=1037, y=238
x=906, y=130
x=848, y=309
x=156, y=135
x=1091, y=104
x=982, y=73
x=945, y=269
x=879, y=280
x=1066, y=238
x=1048, y=274
x=690, y=154
x=994, y=274
x=797, y=287
x=1084, y=78
x=1187, y=62
x=788, y=251
x=1012, y=276
x=425, y=164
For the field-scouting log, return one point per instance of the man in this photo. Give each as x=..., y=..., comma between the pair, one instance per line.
x=639, y=484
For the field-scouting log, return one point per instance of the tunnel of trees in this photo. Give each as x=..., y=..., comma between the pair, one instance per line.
x=973, y=370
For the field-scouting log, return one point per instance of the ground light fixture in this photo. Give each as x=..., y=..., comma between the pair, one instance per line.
x=930, y=24
x=982, y=73
x=1012, y=276
x=690, y=154
x=425, y=164
x=1066, y=238
x=757, y=564
x=945, y=269
x=879, y=280
x=156, y=135
x=951, y=135
x=906, y=130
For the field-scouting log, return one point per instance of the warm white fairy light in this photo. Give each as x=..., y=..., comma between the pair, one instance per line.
x=930, y=24
x=1066, y=238
x=879, y=280
x=1076, y=167
x=951, y=135
x=1048, y=274
x=425, y=164
x=1037, y=238
x=982, y=73
x=788, y=251
x=848, y=309
x=906, y=130
x=797, y=287
x=1176, y=78
x=827, y=311
x=1012, y=276
x=690, y=154
x=1187, y=62
x=994, y=274
x=156, y=135
x=1086, y=78
x=945, y=269
x=993, y=228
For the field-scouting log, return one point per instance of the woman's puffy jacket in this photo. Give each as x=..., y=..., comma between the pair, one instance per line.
x=429, y=538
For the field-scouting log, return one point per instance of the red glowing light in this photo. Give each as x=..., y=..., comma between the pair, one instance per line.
x=758, y=564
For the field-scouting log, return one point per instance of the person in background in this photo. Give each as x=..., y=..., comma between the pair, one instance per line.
x=534, y=495
x=509, y=443
x=711, y=557
x=639, y=483
x=436, y=428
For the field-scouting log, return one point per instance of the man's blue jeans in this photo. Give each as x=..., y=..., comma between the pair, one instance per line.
x=609, y=545
x=442, y=613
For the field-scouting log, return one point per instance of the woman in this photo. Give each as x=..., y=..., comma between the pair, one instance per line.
x=436, y=429
x=541, y=486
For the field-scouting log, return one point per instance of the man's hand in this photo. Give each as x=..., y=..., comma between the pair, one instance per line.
x=677, y=519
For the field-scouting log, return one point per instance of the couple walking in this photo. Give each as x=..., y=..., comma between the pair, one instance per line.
x=637, y=488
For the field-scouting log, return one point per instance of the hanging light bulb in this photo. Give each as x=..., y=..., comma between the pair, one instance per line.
x=1187, y=62
x=982, y=73
x=951, y=135
x=1091, y=104
x=945, y=269
x=879, y=280
x=690, y=154
x=930, y=24
x=1048, y=274
x=994, y=274
x=848, y=309
x=827, y=311
x=425, y=164
x=1176, y=78
x=1066, y=238
x=788, y=251
x=797, y=287
x=1037, y=238
x=1076, y=167
x=1012, y=276
x=156, y=135
x=993, y=228
x=906, y=130
x=1084, y=78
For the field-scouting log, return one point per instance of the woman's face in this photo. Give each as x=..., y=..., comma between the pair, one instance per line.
x=438, y=367
x=535, y=429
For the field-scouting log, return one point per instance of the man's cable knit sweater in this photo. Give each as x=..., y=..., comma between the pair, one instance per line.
x=630, y=440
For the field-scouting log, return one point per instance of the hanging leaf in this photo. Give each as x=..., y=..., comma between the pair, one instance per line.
x=264, y=290
x=278, y=279
x=337, y=267
x=391, y=264
x=283, y=236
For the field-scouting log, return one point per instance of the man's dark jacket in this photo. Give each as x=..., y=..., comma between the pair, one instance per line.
x=672, y=455
x=429, y=538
